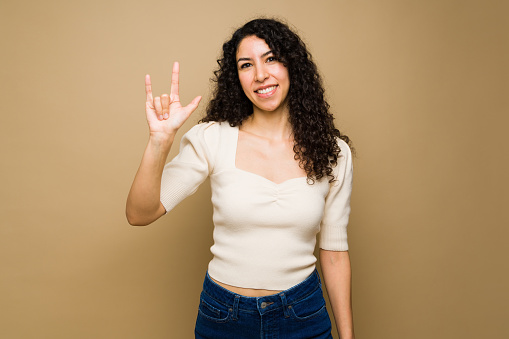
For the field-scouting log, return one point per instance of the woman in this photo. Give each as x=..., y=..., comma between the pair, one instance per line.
x=280, y=173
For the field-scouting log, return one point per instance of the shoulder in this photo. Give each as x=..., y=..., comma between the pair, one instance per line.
x=203, y=128
x=208, y=130
x=344, y=165
x=202, y=133
x=208, y=139
x=345, y=152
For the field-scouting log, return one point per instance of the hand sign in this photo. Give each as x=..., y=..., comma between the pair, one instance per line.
x=165, y=114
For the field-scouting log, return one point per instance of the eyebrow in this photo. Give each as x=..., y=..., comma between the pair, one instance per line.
x=247, y=59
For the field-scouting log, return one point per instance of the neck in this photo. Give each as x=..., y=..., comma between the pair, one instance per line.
x=272, y=125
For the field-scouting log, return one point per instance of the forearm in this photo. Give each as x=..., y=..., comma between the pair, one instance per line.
x=337, y=276
x=143, y=202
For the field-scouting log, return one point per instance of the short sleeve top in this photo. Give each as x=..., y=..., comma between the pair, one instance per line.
x=264, y=233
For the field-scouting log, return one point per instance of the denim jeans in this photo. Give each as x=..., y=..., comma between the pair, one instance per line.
x=298, y=312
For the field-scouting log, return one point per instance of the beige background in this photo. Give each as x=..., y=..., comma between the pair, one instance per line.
x=420, y=86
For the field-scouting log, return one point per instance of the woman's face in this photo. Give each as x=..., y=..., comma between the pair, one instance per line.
x=263, y=78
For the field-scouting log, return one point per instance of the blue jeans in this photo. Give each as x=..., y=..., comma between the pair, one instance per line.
x=298, y=312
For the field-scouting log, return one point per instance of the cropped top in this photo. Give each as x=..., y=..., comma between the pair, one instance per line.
x=264, y=233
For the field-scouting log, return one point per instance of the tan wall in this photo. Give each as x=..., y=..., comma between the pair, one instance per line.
x=420, y=86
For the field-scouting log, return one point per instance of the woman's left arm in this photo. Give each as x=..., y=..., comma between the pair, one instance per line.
x=337, y=275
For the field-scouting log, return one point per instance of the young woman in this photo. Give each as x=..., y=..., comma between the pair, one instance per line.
x=280, y=173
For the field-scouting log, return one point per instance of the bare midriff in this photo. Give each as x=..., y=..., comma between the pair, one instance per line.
x=247, y=292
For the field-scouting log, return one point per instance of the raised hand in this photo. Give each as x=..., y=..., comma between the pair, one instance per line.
x=165, y=114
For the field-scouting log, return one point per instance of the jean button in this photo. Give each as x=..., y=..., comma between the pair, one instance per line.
x=263, y=304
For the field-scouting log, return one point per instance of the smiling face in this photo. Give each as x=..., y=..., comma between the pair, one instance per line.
x=263, y=78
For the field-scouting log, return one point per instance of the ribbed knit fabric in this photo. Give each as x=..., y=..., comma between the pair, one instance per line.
x=265, y=233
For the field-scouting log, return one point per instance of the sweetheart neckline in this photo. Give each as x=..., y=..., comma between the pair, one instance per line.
x=236, y=138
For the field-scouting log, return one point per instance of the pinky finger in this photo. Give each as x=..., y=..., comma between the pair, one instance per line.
x=148, y=88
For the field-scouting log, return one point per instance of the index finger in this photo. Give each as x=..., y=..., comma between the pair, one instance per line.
x=148, y=88
x=174, y=90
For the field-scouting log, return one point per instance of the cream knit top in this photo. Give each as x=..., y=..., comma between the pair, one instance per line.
x=264, y=233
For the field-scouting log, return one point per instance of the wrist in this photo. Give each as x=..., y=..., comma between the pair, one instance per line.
x=161, y=142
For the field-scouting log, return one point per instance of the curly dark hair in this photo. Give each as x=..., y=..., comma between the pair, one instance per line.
x=314, y=133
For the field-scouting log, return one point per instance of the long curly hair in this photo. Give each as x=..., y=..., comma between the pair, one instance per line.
x=314, y=133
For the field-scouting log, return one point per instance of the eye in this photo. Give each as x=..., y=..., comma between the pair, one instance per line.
x=271, y=59
x=246, y=65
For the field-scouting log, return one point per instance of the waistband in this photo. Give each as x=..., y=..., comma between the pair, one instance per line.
x=262, y=304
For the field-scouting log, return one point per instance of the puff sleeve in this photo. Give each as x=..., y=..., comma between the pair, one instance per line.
x=182, y=175
x=333, y=235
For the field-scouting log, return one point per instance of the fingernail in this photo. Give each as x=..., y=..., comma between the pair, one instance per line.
x=166, y=115
x=160, y=117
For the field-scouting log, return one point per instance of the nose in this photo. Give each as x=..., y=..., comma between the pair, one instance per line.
x=261, y=73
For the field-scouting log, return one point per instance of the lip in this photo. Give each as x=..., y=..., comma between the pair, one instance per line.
x=268, y=94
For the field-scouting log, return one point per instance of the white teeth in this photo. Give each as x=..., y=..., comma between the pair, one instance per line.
x=266, y=90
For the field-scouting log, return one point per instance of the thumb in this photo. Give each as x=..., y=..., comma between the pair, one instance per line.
x=192, y=105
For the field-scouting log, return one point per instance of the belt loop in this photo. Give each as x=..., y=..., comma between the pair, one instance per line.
x=285, y=308
x=236, y=307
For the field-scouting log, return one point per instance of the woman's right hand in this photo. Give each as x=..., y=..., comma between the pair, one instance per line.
x=165, y=114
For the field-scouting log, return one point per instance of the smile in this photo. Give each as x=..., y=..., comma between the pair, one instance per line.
x=266, y=90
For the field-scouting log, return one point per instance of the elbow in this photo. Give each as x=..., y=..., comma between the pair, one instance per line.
x=143, y=216
x=134, y=220
x=333, y=258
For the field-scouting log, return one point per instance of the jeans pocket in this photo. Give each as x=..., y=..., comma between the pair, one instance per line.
x=309, y=307
x=213, y=310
